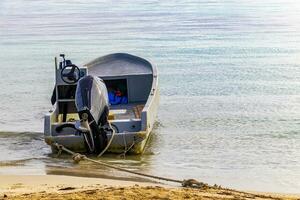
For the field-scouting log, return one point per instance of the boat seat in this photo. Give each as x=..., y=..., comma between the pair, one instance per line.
x=138, y=111
x=126, y=111
x=71, y=117
x=111, y=116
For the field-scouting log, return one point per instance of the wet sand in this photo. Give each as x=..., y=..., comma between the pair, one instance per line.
x=68, y=187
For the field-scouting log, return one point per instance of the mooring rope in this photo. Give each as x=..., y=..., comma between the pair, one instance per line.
x=109, y=143
x=77, y=157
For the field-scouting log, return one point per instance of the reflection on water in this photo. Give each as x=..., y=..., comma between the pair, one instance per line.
x=229, y=80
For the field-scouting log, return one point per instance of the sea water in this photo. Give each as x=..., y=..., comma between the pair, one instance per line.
x=228, y=75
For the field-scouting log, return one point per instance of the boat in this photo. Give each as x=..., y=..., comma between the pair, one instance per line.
x=109, y=104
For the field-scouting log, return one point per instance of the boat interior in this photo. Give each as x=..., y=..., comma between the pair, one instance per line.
x=131, y=75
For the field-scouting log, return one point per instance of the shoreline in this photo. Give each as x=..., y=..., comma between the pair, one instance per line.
x=60, y=187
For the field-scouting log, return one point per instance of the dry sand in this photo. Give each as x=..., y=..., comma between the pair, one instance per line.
x=67, y=187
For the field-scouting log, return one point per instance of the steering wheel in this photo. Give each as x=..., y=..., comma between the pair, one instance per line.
x=72, y=76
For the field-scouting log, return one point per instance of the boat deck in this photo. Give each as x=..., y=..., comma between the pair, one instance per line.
x=126, y=111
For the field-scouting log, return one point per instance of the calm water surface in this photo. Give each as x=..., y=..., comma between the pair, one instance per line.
x=229, y=80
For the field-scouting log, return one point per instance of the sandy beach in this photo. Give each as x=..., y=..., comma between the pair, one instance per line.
x=68, y=187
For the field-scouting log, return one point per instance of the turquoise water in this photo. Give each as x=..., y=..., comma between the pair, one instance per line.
x=229, y=79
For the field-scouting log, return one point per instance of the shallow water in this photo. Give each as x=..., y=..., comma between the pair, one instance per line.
x=228, y=71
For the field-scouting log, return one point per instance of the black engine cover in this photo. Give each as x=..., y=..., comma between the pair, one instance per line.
x=91, y=101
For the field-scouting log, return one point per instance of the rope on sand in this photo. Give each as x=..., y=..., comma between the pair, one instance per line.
x=77, y=157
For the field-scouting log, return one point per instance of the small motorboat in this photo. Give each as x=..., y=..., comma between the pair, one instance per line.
x=109, y=104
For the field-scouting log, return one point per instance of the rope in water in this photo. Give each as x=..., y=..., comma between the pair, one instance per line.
x=78, y=157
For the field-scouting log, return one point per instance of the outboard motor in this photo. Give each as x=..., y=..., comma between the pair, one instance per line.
x=91, y=101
